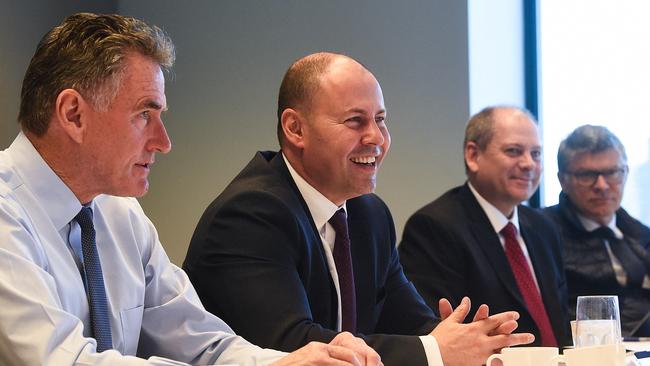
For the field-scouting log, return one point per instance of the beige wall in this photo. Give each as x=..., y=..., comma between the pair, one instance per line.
x=231, y=56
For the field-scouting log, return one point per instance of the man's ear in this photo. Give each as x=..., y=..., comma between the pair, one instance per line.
x=471, y=156
x=69, y=112
x=293, y=127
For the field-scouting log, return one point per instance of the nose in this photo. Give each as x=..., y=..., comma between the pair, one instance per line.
x=600, y=183
x=373, y=135
x=527, y=161
x=160, y=141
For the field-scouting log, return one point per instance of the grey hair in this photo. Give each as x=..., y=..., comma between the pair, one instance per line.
x=587, y=139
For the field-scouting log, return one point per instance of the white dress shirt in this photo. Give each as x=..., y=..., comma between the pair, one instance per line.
x=499, y=221
x=154, y=310
x=321, y=210
x=621, y=276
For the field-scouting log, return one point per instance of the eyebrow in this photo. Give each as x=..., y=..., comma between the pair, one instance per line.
x=363, y=111
x=154, y=105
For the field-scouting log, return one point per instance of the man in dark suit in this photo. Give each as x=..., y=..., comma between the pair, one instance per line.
x=477, y=240
x=606, y=251
x=307, y=249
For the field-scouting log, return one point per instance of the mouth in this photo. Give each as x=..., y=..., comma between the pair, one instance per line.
x=370, y=161
x=144, y=165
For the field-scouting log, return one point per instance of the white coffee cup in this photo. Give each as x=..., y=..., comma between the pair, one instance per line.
x=608, y=355
x=524, y=356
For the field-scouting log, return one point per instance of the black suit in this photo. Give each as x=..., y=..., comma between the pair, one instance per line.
x=451, y=250
x=257, y=246
x=589, y=268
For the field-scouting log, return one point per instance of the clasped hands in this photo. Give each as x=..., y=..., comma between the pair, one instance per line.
x=471, y=344
x=459, y=343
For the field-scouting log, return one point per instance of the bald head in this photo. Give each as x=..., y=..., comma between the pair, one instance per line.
x=302, y=80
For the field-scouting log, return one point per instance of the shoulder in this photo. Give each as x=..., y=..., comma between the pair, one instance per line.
x=446, y=208
x=536, y=217
x=631, y=226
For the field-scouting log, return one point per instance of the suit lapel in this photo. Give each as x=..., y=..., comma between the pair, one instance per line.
x=313, y=237
x=538, y=255
x=489, y=242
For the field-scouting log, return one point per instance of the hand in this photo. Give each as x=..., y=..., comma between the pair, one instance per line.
x=445, y=309
x=471, y=344
x=367, y=355
x=482, y=312
x=344, y=350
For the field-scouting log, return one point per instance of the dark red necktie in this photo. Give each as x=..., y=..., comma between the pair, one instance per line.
x=526, y=284
x=343, y=262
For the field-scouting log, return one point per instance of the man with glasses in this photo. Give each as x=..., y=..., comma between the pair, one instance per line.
x=606, y=250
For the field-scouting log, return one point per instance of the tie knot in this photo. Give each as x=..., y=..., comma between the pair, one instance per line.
x=509, y=231
x=339, y=221
x=605, y=232
x=85, y=218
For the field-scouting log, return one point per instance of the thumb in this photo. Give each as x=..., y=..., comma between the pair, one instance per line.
x=461, y=311
x=444, y=308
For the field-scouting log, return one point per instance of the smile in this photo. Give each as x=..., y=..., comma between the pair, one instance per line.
x=365, y=160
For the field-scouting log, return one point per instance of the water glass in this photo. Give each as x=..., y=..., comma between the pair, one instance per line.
x=597, y=321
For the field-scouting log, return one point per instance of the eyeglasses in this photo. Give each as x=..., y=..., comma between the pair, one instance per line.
x=587, y=178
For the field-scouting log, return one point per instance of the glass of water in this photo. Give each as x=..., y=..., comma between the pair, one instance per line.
x=597, y=321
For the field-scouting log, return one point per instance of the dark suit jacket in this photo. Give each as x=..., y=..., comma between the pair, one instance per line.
x=589, y=268
x=450, y=249
x=257, y=261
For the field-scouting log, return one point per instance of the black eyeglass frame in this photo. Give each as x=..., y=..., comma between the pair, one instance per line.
x=588, y=178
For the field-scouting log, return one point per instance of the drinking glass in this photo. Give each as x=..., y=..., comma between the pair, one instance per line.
x=597, y=321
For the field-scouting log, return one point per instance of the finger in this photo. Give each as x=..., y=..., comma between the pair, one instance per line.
x=493, y=322
x=506, y=328
x=461, y=311
x=343, y=354
x=444, y=308
x=482, y=313
x=503, y=340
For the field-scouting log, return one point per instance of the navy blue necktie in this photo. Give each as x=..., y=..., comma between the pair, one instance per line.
x=343, y=262
x=99, y=318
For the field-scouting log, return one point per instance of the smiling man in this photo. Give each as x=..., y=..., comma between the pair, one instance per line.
x=307, y=249
x=84, y=279
x=606, y=250
x=478, y=240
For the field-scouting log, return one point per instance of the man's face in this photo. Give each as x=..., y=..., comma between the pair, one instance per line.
x=123, y=140
x=508, y=171
x=600, y=199
x=345, y=134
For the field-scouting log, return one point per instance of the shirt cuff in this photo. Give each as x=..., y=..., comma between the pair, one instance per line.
x=431, y=350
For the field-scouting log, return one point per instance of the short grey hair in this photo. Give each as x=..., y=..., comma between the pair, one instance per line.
x=86, y=52
x=588, y=139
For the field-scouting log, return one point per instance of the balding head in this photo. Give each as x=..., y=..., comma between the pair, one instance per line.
x=302, y=81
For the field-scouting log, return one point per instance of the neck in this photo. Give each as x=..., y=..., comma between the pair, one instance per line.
x=58, y=154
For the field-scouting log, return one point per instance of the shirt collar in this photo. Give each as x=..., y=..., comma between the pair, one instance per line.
x=591, y=225
x=320, y=207
x=497, y=219
x=56, y=199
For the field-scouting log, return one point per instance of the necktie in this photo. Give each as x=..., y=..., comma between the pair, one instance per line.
x=526, y=284
x=343, y=262
x=99, y=319
x=632, y=264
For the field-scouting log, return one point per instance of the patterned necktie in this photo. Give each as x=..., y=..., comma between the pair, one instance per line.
x=343, y=262
x=99, y=319
x=526, y=284
x=632, y=264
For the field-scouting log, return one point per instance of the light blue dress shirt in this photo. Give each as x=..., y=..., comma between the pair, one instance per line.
x=156, y=316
